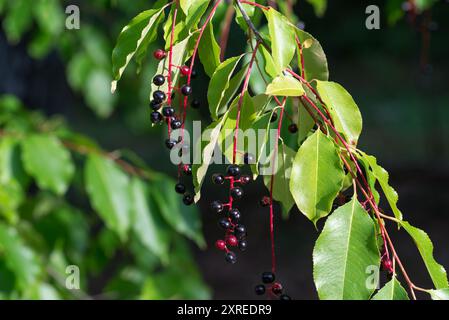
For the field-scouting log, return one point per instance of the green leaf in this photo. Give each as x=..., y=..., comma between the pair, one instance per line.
x=247, y=117
x=391, y=291
x=97, y=93
x=219, y=83
x=190, y=6
x=344, y=111
x=315, y=61
x=136, y=36
x=108, y=189
x=317, y=176
x=11, y=168
x=209, y=50
x=344, y=250
x=183, y=219
x=382, y=176
x=319, y=6
x=442, y=294
x=18, y=257
x=425, y=247
x=285, y=86
x=305, y=124
x=45, y=158
x=281, y=183
x=147, y=223
x=282, y=35
x=199, y=171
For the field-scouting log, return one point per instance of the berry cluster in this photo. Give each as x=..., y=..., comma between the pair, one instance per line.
x=271, y=287
x=235, y=231
x=162, y=109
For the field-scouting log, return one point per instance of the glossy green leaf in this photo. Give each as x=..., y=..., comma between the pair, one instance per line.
x=281, y=183
x=184, y=219
x=45, y=159
x=317, y=176
x=108, y=189
x=315, y=61
x=391, y=291
x=136, y=36
x=18, y=257
x=147, y=222
x=282, y=35
x=305, y=124
x=219, y=83
x=344, y=250
x=442, y=294
x=425, y=247
x=209, y=50
x=383, y=178
x=344, y=111
x=285, y=86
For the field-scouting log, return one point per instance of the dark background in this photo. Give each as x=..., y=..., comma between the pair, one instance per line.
x=404, y=102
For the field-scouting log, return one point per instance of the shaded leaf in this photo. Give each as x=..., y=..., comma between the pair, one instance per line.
x=219, y=83
x=45, y=158
x=209, y=50
x=108, y=189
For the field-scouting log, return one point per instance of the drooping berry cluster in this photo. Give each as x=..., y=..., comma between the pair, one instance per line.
x=162, y=108
x=235, y=231
x=269, y=286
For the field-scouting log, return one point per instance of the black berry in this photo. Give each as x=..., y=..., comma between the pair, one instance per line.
x=234, y=170
x=218, y=178
x=243, y=244
x=236, y=193
x=168, y=111
x=274, y=117
x=224, y=223
x=234, y=214
x=195, y=104
x=159, y=96
x=187, y=199
x=170, y=144
x=240, y=229
x=175, y=124
x=216, y=206
x=180, y=188
x=293, y=128
x=231, y=257
x=155, y=105
x=268, y=277
x=156, y=117
x=186, y=90
x=159, y=80
x=259, y=289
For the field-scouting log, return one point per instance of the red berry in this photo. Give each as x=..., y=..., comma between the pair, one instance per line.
x=185, y=70
x=387, y=265
x=232, y=241
x=159, y=54
x=276, y=288
x=265, y=201
x=220, y=245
